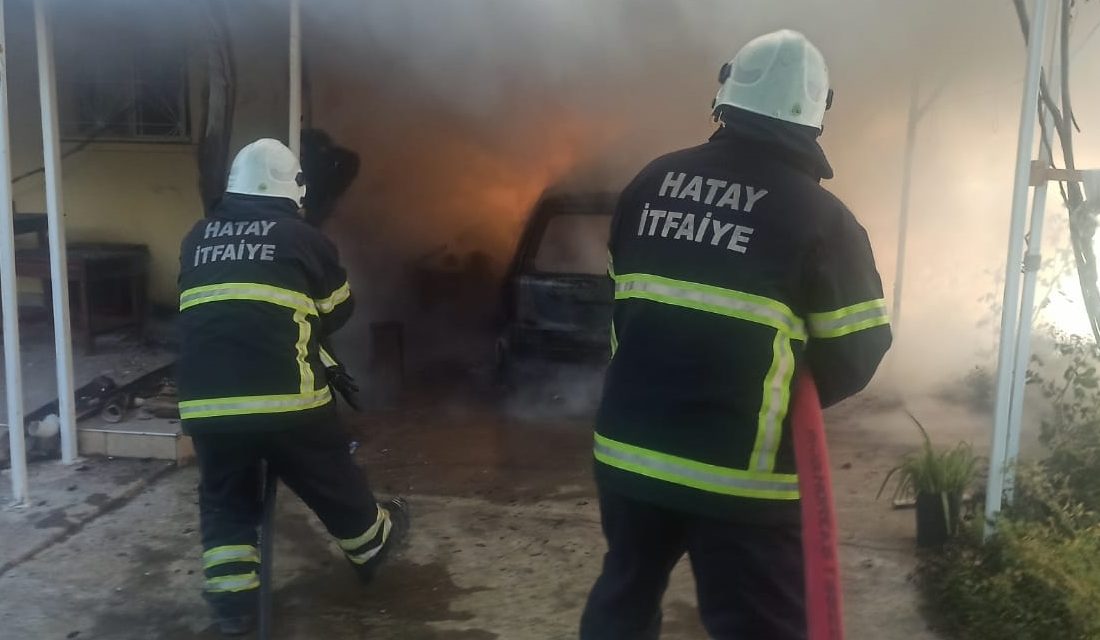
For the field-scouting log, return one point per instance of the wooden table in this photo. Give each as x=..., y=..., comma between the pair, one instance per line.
x=100, y=266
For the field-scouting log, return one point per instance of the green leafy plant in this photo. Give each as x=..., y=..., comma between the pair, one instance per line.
x=928, y=471
x=937, y=480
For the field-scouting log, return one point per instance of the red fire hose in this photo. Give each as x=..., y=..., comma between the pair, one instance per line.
x=824, y=607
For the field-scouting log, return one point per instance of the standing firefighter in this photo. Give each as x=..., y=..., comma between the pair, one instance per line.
x=733, y=267
x=260, y=292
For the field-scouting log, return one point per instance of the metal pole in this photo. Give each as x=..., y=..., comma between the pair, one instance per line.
x=295, y=94
x=903, y=211
x=267, y=550
x=1032, y=263
x=59, y=270
x=1010, y=307
x=13, y=371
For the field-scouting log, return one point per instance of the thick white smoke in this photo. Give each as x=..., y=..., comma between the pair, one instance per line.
x=464, y=110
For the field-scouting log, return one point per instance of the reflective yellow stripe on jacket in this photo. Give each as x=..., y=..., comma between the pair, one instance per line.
x=698, y=475
x=308, y=396
x=328, y=304
x=842, y=322
x=775, y=395
x=327, y=359
x=704, y=297
x=247, y=291
x=244, y=405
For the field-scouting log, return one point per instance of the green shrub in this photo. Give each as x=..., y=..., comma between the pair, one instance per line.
x=974, y=391
x=1028, y=583
x=1039, y=577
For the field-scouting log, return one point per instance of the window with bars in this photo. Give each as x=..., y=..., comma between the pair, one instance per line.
x=122, y=77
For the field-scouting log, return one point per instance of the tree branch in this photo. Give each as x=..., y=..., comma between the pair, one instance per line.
x=1067, y=106
x=1044, y=86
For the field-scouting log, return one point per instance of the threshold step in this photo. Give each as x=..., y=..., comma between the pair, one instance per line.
x=156, y=439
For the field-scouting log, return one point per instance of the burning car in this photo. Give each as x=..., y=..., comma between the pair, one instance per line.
x=557, y=294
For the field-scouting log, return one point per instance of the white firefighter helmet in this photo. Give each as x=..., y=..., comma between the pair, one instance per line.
x=267, y=168
x=781, y=75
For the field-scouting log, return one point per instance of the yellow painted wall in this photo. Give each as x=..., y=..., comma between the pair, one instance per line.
x=139, y=193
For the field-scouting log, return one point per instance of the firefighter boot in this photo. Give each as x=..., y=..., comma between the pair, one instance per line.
x=236, y=625
x=397, y=516
x=235, y=614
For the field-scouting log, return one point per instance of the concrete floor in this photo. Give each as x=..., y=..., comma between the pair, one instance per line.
x=505, y=540
x=121, y=356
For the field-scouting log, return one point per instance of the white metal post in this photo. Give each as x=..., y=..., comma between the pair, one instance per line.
x=1010, y=307
x=59, y=271
x=903, y=212
x=295, y=93
x=1032, y=263
x=13, y=372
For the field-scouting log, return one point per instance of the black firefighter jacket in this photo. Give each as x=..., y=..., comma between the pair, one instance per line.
x=260, y=291
x=733, y=268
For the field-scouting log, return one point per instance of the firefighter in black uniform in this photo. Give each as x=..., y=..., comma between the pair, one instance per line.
x=260, y=292
x=733, y=268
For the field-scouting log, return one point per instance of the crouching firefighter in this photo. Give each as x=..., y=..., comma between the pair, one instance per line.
x=260, y=292
x=733, y=268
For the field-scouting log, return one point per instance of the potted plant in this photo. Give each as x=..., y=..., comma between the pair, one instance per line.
x=937, y=479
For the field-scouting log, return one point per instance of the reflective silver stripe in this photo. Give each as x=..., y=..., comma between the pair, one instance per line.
x=256, y=404
x=224, y=555
x=242, y=582
x=244, y=291
x=365, y=557
x=663, y=468
x=693, y=297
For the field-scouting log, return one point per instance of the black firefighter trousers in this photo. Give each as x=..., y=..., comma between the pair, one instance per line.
x=315, y=462
x=749, y=579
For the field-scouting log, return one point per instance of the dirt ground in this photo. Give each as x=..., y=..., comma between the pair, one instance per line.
x=505, y=540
